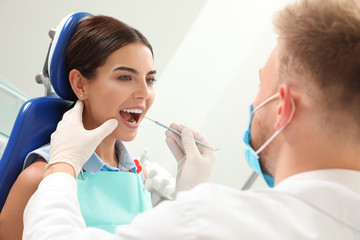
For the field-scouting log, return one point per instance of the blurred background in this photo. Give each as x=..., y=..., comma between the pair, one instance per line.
x=207, y=55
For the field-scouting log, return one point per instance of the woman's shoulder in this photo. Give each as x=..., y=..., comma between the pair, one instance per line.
x=33, y=174
x=21, y=191
x=29, y=179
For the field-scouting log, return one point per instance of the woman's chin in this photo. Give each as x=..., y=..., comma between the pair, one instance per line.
x=126, y=137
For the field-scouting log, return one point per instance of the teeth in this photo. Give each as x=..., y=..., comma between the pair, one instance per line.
x=133, y=110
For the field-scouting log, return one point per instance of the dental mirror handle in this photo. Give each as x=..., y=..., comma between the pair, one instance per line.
x=179, y=133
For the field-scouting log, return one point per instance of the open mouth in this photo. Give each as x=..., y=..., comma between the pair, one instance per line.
x=131, y=115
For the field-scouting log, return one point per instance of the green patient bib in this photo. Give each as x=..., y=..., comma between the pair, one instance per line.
x=108, y=199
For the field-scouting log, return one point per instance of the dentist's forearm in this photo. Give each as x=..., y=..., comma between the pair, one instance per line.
x=53, y=212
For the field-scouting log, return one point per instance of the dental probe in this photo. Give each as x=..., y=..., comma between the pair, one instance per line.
x=179, y=133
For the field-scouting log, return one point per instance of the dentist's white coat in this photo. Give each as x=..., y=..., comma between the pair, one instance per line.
x=322, y=204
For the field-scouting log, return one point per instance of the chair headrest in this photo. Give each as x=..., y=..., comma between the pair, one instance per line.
x=57, y=55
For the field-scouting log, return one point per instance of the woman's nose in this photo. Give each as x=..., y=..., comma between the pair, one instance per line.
x=142, y=90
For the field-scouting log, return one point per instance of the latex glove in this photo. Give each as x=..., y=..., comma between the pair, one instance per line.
x=196, y=164
x=71, y=143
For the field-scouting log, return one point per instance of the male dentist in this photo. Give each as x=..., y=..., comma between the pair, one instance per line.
x=303, y=139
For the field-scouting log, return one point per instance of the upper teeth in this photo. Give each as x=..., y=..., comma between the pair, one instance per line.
x=133, y=110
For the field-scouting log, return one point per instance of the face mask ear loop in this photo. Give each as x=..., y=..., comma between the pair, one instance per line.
x=266, y=101
x=280, y=129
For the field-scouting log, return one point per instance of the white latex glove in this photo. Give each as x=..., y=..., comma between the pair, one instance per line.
x=196, y=163
x=71, y=143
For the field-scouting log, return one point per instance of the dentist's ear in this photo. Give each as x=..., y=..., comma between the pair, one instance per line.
x=78, y=82
x=285, y=108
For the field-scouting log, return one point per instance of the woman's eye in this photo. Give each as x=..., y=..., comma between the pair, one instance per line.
x=124, y=77
x=151, y=80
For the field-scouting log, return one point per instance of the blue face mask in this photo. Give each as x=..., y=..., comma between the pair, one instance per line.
x=252, y=156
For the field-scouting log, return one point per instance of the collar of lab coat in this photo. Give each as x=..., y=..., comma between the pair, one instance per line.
x=338, y=197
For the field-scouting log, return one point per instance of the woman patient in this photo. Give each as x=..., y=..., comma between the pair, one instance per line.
x=110, y=68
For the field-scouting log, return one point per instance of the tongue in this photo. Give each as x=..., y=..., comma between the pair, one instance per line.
x=127, y=116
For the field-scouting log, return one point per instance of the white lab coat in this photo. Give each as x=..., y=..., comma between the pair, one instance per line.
x=322, y=204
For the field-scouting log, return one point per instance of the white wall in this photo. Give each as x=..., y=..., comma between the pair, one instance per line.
x=207, y=53
x=211, y=81
x=24, y=27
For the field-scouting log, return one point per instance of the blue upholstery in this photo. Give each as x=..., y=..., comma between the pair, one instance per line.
x=57, y=63
x=38, y=117
x=36, y=120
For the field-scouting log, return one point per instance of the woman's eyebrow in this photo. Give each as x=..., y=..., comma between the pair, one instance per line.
x=127, y=69
x=151, y=72
x=133, y=70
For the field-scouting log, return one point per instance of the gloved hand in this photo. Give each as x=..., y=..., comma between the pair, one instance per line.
x=71, y=143
x=196, y=163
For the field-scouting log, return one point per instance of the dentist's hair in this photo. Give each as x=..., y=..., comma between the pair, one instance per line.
x=320, y=47
x=95, y=39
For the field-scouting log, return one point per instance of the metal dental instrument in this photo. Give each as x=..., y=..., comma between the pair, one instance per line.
x=179, y=133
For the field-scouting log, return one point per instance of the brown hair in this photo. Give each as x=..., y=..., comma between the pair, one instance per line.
x=95, y=39
x=321, y=44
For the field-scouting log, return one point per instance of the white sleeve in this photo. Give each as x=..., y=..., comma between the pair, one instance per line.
x=53, y=212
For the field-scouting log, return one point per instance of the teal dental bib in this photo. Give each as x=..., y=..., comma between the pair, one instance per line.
x=108, y=199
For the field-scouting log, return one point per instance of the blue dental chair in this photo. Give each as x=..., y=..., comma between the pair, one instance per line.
x=38, y=117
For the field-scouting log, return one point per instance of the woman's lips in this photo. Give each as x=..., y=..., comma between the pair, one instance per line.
x=131, y=116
